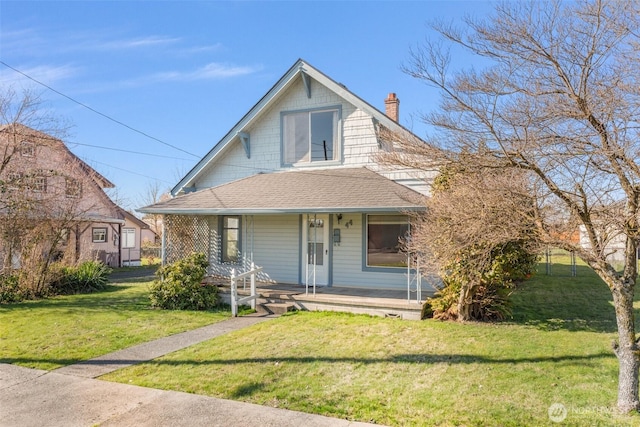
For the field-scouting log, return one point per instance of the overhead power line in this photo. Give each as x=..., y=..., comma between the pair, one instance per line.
x=129, y=151
x=125, y=170
x=98, y=112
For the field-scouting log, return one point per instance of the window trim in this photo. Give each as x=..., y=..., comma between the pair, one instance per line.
x=72, y=184
x=338, y=153
x=223, y=244
x=365, y=238
x=38, y=183
x=15, y=181
x=93, y=234
x=27, y=149
x=125, y=231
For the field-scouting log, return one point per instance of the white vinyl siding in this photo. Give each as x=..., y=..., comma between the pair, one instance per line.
x=277, y=246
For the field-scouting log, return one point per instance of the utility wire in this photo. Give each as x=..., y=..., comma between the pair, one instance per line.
x=126, y=170
x=98, y=112
x=137, y=131
x=128, y=151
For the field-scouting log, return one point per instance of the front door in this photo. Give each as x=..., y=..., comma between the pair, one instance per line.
x=316, y=247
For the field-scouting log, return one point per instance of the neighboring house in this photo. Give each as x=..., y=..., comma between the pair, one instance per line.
x=615, y=247
x=41, y=168
x=295, y=188
x=134, y=233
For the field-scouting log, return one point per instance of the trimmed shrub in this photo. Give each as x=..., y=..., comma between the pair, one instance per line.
x=10, y=288
x=179, y=286
x=511, y=263
x=90, y=276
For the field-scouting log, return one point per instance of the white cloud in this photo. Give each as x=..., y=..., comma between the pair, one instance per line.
x=196, y=50
x=21, y=41
x=212, y=71
x=47, y=74
x=133, y=43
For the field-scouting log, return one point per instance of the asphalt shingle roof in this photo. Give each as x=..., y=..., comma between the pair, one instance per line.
x=299, y=191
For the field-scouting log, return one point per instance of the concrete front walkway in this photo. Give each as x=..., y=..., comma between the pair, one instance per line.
x=71, y=396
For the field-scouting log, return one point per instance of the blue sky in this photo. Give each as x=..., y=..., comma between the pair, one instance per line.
x=185, y=72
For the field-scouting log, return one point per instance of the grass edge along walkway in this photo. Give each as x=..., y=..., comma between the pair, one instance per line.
x=147, y=351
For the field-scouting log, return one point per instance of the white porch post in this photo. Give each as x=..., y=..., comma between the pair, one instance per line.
x=253, y=286
x=315, y=250
x=306, y=252
x=234, y=294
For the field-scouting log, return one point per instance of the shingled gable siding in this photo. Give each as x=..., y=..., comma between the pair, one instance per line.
x=358, y=137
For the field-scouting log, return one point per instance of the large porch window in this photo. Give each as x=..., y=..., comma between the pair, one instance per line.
x=384, y=239
x=231, y=239
x=310, y=136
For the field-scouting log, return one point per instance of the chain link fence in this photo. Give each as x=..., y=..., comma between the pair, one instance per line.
x=559, y=262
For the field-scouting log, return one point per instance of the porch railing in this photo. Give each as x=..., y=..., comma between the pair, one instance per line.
x=235, y=301
x=414, y=277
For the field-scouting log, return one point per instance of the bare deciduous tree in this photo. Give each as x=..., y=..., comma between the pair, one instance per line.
x=470, y=215
x=152, y=195
x=41, y=188
x=558, y=101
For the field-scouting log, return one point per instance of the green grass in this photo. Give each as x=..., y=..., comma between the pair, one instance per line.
x=556, y=349
x=50, y=333
x=402, y=373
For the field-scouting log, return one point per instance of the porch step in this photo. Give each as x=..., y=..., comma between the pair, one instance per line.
x=275, y=307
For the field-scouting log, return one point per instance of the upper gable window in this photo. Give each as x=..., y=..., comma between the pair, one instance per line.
x=27, y=149
x=72, y=187
x=310, y=136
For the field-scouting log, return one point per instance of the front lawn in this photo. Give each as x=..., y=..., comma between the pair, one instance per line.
x=403, y=373
x=555, y=350
x=51, y=333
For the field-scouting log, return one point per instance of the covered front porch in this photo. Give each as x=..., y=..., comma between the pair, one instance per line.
x=334, y=237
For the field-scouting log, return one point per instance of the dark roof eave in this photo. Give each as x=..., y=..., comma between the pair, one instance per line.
x=271, y=211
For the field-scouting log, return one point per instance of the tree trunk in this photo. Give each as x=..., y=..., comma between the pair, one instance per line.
x=464, y=301
x=626, y=349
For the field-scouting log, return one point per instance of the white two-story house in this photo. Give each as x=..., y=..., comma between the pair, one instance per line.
x=294, y=187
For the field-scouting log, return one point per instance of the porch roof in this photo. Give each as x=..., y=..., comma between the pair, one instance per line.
x=299, y=191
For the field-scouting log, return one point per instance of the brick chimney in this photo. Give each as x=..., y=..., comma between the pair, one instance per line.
x=392, y=106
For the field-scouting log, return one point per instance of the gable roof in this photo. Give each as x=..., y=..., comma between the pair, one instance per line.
x=309, y=74
x=297, y=191
x=98, y=181
x=137, y=221
x=25, y=131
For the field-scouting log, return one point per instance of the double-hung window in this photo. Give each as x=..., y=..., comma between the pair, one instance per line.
x=128, y=237
x=72, y=187
x=310, y=136
x=385, y=235
x=39, y=183
x=231, y=239
x=27, y=149
x=99, y=235
x=15, y=180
